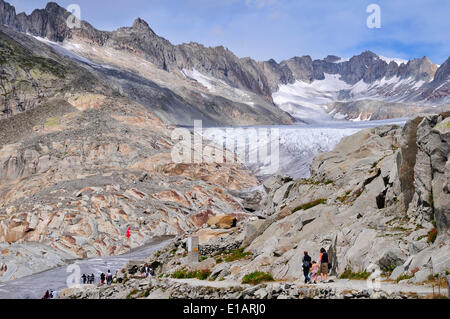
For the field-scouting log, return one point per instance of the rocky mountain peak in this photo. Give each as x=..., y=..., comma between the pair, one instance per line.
x=332, y=58
x=443, y=73
x=52, y=6
x=421, y=69
x=141, y=25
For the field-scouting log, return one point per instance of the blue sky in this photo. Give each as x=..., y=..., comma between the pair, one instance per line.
x=281, y=29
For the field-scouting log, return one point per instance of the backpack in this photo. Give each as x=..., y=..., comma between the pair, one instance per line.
x=307, y=262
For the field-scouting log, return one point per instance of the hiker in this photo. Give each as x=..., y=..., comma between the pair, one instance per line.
x=128, y=233
x=323, y=265
x=54, y=294
x=46, y=295
x=108, y=277
x=84, y=278
x=306, y=264
x=150, y=272
x=313, y=273
x=102, y=278
x=143, y=271
x=92, y=279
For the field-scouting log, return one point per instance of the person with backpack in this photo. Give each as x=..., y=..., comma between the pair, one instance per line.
x=323, y=260
x=46, y=295
x=108, y=277
x=306, y=264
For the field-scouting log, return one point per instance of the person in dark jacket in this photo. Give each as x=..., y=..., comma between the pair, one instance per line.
x=323, y=264
x=306, y=264
x=102, y=278
x=84, y=278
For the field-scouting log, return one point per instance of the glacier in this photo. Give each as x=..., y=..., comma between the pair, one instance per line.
x=298, y=144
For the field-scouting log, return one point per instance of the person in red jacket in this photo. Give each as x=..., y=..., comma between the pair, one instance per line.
x=128, y=233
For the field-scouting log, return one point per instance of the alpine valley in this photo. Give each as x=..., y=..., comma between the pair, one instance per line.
x=86, y=143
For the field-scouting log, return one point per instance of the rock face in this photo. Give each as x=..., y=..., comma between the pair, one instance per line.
x=429, y=192
x=81, y=166
x=222, y=221
x=31, y=73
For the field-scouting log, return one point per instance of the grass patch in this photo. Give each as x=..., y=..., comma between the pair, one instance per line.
x=310, y=205
x=349, y=274
x=51, y=122
x=314, y=182
x=236, y=254
x=197, y=274
x=404, y=277
x=345, y=197
x=256, y=278
x=132, y=293
x=389, y=269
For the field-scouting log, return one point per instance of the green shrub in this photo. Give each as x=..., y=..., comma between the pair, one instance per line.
x=404, y=277
x=257, y=277
x=389, y=269
x=236, y=254
x=349, y=274
x=197, y=274
x=310, y=205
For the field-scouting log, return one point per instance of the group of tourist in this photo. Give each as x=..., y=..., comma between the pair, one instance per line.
x=90, y=279
x=312, y=268
x=147, y=271
x=86, y=280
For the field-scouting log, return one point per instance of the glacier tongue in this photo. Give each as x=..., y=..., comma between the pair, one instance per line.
x=298, y=144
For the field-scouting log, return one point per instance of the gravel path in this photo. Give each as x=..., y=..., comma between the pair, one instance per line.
x=338, y=284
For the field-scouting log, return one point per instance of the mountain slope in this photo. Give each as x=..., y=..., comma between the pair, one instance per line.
x=82, y=163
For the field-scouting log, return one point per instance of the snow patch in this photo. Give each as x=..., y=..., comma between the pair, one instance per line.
x=396, y=60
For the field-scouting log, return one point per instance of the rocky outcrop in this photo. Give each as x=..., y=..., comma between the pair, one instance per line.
x=222, y=221
x=171, y=289
x=31, y=72
x=429, y=194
